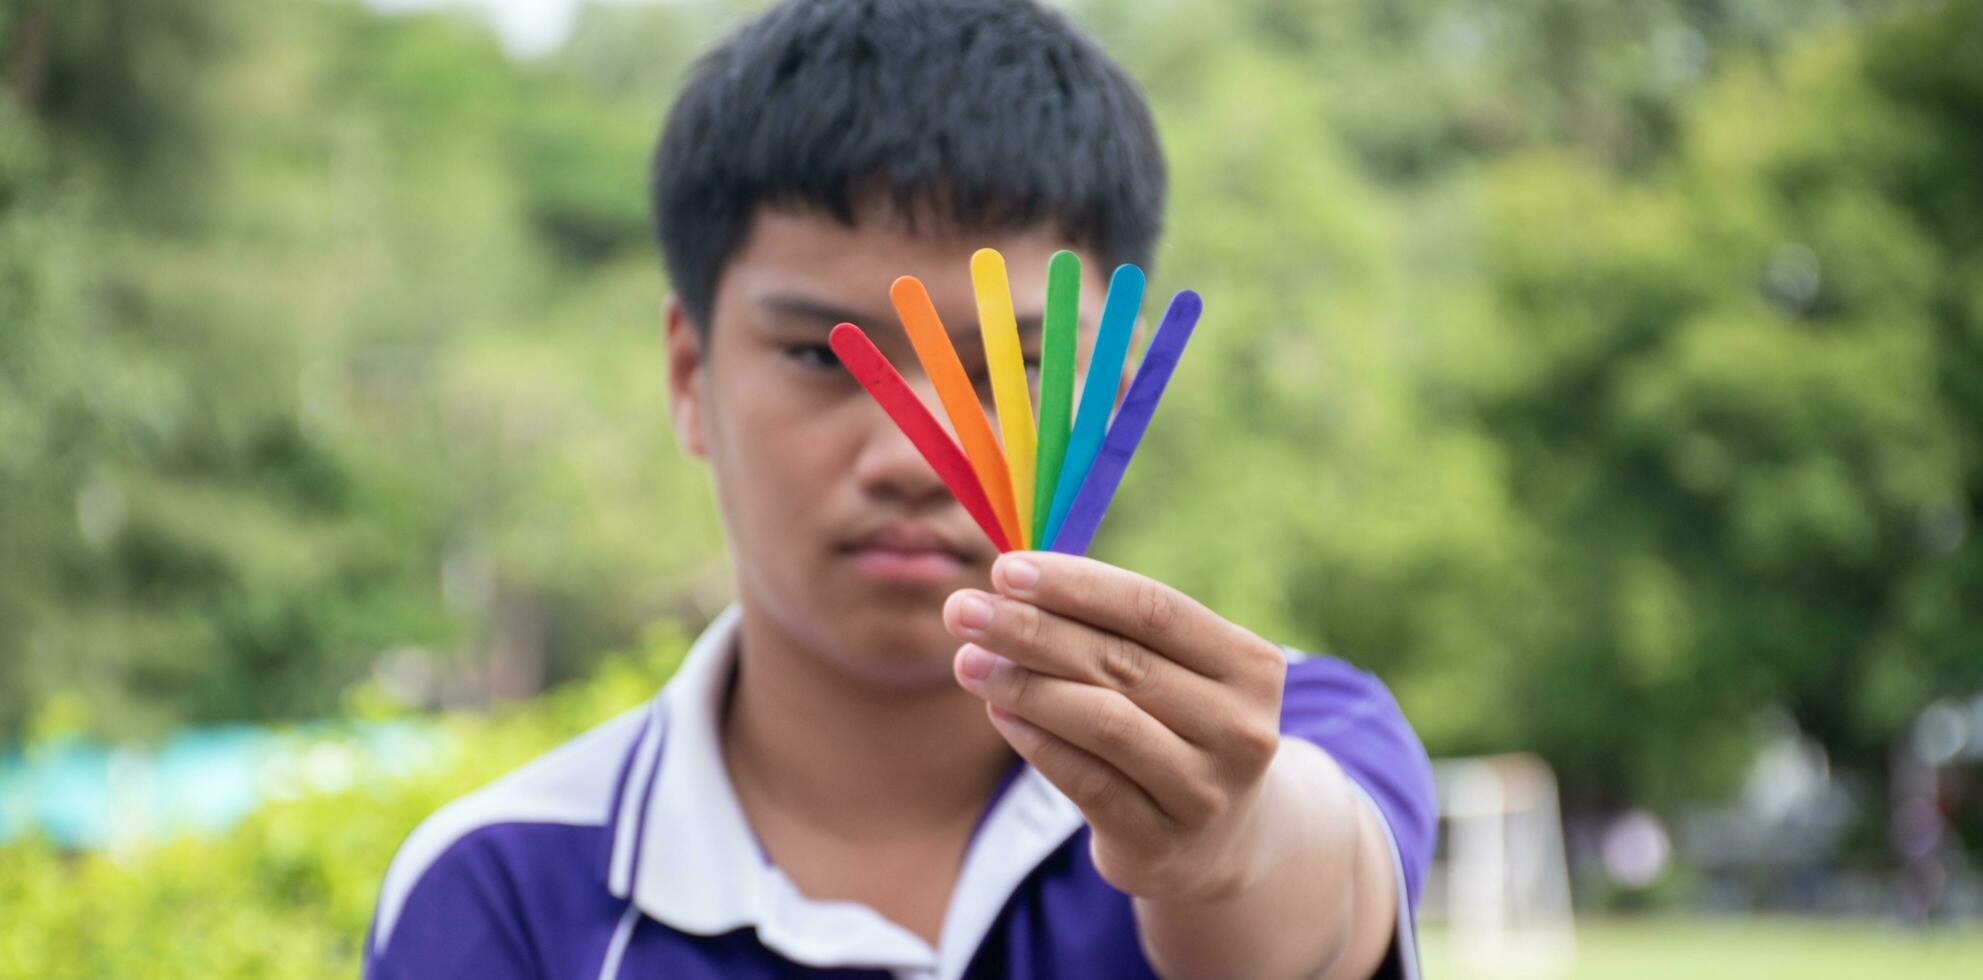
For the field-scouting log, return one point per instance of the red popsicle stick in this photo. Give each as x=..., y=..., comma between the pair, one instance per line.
x=871, y=368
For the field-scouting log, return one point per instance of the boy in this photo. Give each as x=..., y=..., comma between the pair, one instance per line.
x=1105, y=779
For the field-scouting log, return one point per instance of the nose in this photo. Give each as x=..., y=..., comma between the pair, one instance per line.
x=890, y=468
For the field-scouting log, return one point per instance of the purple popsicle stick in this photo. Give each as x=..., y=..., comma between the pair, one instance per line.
x=1084, y=515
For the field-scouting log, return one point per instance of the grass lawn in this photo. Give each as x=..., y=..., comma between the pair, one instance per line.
x=1706, y=949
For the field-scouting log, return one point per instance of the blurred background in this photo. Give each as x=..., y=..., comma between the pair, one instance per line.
x=1606, y=376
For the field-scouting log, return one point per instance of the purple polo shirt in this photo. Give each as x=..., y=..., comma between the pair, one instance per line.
x=624, y=853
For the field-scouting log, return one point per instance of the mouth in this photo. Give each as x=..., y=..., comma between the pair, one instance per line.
x=909, y=553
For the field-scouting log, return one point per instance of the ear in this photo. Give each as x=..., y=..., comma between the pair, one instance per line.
x=685, y=378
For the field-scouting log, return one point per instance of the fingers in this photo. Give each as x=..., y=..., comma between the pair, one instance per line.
x=1103, y=724
x=1140, y=608
x=1110, y=800
x=1054, y=645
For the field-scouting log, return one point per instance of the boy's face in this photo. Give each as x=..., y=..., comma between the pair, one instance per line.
x=839, y=530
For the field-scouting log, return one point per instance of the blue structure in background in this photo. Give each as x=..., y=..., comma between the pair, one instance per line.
x=86, y=795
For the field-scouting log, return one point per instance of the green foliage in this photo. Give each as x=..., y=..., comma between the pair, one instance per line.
x=1741, y=420
x=325, y=334
x=1651, y=410
x=1565, y=362
x=288, y=893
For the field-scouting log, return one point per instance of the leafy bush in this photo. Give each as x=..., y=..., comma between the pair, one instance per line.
x=288, y=893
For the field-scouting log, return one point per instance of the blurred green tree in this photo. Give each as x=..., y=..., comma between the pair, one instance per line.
x=1599, y=373
x=324, y=334
x=1602, y=427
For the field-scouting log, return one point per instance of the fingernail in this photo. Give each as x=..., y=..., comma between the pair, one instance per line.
x=973, y=612
x=1006, y=719
x=1019, y=573
x=975, y=663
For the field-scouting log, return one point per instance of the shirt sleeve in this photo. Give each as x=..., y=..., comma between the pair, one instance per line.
x=1352, y=716
x=458, y=920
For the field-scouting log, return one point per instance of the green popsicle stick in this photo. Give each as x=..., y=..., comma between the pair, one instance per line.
x=1098, y=393
x=1056, y=382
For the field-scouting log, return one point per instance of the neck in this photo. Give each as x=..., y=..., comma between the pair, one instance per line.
x=855, y=760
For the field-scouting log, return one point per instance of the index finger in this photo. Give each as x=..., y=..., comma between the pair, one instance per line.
x=1134, y=606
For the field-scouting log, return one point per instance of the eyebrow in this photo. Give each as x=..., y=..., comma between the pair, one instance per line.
x=828, y=315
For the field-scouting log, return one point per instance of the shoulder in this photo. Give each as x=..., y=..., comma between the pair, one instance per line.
x=1327, y=693
x=545, y=820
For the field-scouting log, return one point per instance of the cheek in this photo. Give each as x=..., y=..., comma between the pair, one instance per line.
x=777, y=449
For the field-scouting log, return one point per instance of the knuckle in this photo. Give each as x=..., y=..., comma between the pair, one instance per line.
x=1018, y=686
x=1267, y=657
x=1203, y=804
x=1115, y=726
x=1165, y=834
x=1124, y=664
x=1255, y=747
x=1097, y=786
x=1263, y=666
x=1027, y=624
x=1156, y=606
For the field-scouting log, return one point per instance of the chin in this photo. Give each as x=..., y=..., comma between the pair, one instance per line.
x=900, y=649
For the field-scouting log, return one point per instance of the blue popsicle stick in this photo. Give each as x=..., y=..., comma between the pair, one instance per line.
x=1084, y=515
x=1098, y=390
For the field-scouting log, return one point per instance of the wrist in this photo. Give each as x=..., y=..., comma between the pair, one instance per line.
x=1280, y=826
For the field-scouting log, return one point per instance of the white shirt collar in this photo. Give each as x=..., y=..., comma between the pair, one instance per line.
x=692, y=862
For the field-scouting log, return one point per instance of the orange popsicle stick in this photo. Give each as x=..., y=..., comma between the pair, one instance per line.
x=872, y=370
x=960, y=399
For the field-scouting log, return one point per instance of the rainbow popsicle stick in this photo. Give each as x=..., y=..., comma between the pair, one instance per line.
x=1057, y=329
x=871, y=368
x=959, y=397
x=1084, y=515
x=1014, y=401
x=1098, y=391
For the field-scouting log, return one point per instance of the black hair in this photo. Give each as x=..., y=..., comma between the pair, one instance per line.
x=987, y=114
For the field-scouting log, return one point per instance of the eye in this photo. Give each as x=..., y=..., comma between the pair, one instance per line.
x=816, y=356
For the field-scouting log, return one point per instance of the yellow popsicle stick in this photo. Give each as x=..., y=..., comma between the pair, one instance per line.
x=1010, y=394
x=960, y=399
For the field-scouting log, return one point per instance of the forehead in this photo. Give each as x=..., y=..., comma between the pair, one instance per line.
x=814, y=253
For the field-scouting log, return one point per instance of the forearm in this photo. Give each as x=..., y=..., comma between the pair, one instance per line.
x=1318, y=900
